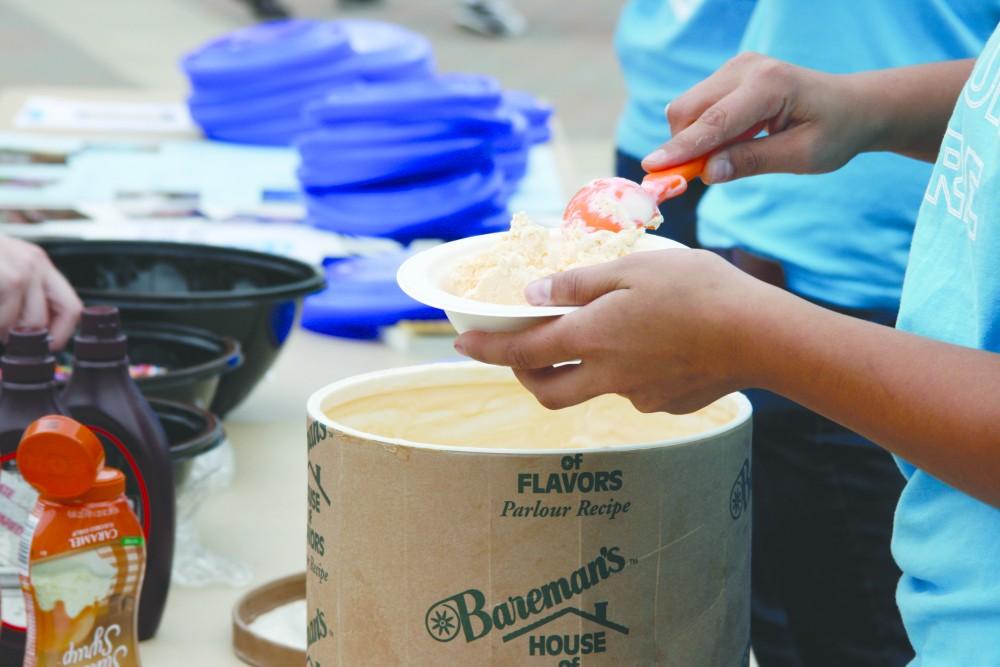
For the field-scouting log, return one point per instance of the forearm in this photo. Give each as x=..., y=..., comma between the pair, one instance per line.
x=906, y=109
x=934, y=404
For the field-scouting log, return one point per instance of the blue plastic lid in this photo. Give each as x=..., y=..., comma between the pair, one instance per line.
x=345, y=135
x=362, y=297
x=384, y=50
x=371, y=51
x=538, y=135
x=326, y=165
x=492, y=125
x=536, y=111
x=514, y=164
x=265, y=49
x=269, y=132
x=517, y=138
x=444, y=96
x=260, y=108
x=392, y=210
x=330, y=75
x=344, y=72
x=465, y=117
x=497, y=123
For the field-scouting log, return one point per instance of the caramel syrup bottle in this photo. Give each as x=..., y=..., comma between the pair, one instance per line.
x=83, y=556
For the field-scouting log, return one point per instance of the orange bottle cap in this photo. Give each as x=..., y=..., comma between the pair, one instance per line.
x=60, y=457
x=110, y=484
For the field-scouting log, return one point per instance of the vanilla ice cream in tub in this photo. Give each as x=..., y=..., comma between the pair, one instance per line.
x=455, y=521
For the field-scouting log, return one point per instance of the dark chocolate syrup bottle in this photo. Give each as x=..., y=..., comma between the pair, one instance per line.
x=102, y=395
x=28, y=391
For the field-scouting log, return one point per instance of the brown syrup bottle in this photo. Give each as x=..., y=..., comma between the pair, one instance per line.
x=28, y=391
x=102, y=396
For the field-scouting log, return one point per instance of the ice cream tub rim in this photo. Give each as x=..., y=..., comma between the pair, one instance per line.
x=356, y=387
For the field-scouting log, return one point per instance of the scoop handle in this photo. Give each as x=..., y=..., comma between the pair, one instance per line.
x=672, y=181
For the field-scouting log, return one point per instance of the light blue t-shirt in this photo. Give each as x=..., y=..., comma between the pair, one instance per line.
x=843, y=237
x=947, y=543
x=665, y=47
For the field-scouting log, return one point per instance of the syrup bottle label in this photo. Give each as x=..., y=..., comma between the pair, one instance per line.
x=82, y=601
x=17, y=499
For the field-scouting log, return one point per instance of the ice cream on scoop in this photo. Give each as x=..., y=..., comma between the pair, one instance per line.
x=612, y=204
x=528, y=252
x=618, y=203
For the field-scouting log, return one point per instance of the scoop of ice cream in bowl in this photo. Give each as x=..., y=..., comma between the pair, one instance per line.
x=479, y=281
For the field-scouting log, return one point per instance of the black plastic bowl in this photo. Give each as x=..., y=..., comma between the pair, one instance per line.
x=250, y=296
x=195, y=360
x=190, y=431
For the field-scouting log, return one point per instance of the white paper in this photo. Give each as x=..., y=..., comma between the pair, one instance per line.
x=63, y=113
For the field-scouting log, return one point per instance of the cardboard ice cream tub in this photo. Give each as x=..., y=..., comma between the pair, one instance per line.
x=455, y=521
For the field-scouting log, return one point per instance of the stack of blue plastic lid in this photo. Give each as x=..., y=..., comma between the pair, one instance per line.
x=250, y=85
x=362, y=297
x=411, y=159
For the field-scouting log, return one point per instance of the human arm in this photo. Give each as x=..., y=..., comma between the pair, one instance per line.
x=815, y=122
x=33, y=293
x=702, y=329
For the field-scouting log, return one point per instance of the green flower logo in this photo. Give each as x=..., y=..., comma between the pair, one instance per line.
x=442, y=622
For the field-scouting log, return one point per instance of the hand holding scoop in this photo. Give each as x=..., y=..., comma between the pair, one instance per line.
x=615, y=204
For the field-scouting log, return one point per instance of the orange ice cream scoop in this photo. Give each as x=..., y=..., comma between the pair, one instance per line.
x=673, y=181
x=615, y=204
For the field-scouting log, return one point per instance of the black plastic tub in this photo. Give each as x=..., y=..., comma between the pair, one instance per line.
x=195, y=360
x=190, y=431
x=253, y=297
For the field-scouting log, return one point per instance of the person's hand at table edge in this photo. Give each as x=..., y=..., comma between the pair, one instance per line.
x=33, y=293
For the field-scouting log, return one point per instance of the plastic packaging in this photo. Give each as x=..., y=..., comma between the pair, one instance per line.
x=102, y=395
x=203, y=464
x=28, y=392
x=195, y=565
x=83, y=556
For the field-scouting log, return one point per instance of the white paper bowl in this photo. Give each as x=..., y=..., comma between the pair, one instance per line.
x=422, y=275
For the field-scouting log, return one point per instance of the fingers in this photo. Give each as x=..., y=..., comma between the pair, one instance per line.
x=13, y=284
x=33, y=293
x=563, y=386
x=577, y=287
x=724, y=122
x=34, y=309
x=686, y=108
x=540, y=346
x=786, y=152
x=64, y=307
